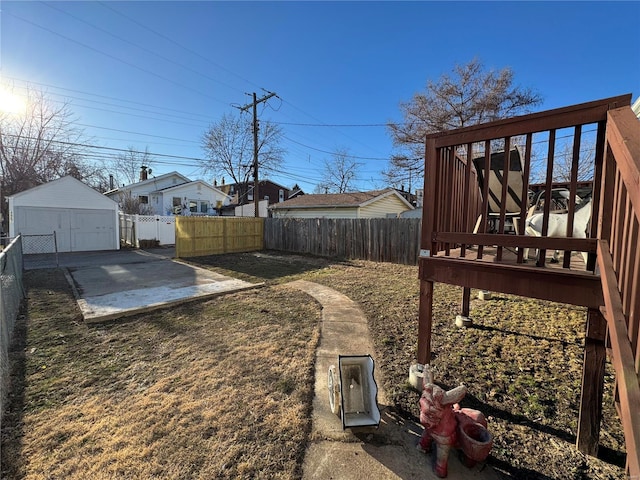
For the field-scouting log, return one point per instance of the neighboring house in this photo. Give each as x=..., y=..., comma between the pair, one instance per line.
x=82, y=218
x=242, y=194
x=174, y=194
x=373, y=204
x=408, y=196
x=295, y=191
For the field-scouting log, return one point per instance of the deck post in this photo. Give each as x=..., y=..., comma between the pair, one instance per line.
x=466, y=300
x=590, y=414
x=425, y=322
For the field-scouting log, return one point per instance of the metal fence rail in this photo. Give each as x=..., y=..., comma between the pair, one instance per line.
x=11, y=296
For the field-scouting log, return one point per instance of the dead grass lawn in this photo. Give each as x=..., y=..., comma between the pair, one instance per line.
x=216, y=389
x=222, y=389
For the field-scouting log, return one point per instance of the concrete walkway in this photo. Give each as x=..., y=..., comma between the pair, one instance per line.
x=388, y=452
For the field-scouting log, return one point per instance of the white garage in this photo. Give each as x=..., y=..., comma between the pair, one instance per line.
x=82, y=218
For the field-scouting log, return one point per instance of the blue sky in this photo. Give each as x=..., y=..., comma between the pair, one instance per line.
x=156, y=74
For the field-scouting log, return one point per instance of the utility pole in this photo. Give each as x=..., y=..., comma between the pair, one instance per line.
x=254, y=104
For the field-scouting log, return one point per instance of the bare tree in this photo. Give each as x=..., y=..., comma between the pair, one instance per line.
x=133, y=206
x=471, y=95
x=126, y=165
x=339, y=173
x=38, y=145
x=229, y=148
x=563, y=163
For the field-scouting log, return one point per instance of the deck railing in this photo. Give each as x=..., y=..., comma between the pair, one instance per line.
x=473, y=235
x=619, y=264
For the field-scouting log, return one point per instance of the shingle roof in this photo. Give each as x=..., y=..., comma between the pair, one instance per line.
x=353, y=199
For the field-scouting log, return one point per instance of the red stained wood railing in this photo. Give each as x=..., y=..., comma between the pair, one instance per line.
x=619, y=264
x=459, y=210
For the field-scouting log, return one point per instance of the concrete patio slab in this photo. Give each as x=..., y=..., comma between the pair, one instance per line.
x=110, y=285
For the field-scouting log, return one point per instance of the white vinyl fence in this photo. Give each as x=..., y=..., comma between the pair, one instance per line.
x=11, y=295
x=134, y=228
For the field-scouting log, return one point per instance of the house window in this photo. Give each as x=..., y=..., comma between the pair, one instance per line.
x=250, y=195
x=176, y=205
x=143, y=199
x=281, y=195
x=204, y=207
x=266, y=197
x=193, y=206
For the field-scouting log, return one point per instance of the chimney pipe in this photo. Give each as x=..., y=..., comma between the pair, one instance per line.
x=111, y=183
x=143, y=173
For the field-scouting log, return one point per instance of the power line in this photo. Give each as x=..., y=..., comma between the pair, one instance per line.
x=332, y=125
x=114, y=57
x=176, y=43
x=112, y=149
x=332, y=153
x=102, y=96
x=137, y=133
x=140, y=47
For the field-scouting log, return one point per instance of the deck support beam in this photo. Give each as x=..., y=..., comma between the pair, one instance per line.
x=425, y=322
x=592, y=384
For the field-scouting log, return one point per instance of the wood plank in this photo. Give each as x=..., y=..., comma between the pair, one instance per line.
x=598, y=173
x=593, y=367
x=547, y=193
x=449, y=174
x=623, y=137
x=575, y=159
x=428, y=211
x=559, y=118
x=425, y=322
x=617, y=222
x=525, y=189
x=557, y=285
x=607, y=191
x=623, y=359
x=630, y=244
x=467, y=190
x=513, y=241
x=634, y=308
x=485, y=191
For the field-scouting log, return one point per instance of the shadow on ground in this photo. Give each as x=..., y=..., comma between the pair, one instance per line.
x=262, y=266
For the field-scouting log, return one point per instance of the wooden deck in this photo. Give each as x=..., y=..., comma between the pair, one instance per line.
x=510, y=257
x=457, y=249
x=574, y=285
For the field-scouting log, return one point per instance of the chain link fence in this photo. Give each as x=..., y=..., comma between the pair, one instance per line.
x=11, y=296
x=40, y=251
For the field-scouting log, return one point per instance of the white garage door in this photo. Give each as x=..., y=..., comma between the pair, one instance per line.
x=77, y=230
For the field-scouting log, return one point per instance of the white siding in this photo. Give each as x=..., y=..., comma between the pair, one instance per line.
x=189, y=191
x=66, y=192
x=82, y=218
x=382, y=207
x=154, y=184
x=332, y=212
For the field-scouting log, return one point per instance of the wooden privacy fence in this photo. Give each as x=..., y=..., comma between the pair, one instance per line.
x=394, y=240
x=200, y=236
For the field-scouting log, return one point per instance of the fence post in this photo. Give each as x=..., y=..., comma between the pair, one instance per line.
x=55, y=248
x=134, y=230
